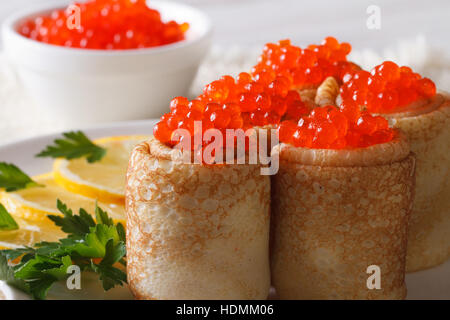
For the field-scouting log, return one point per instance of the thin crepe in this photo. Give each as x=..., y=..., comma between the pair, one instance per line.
x=427, y=126
x=332, y=220
x=196, y=231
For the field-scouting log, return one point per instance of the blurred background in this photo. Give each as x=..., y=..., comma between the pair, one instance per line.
x=410, y=32
x=254, y=22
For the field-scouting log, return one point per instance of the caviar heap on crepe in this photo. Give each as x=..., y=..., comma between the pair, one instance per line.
x=413, y=106
x=388, y=88
x=308, y=67
x=106, y=25
x=249, y=100
x=268, y=96
x=332, y=128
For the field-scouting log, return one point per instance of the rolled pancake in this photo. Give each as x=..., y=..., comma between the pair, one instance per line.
x=337, y=212
x=427, y=125
x=308, y=95
x=327, y=92
x=196, y=231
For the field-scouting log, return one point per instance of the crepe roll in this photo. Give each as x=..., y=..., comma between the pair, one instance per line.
x=339, y=214
x=327, y=92
x=196, y=231
x=427, y=124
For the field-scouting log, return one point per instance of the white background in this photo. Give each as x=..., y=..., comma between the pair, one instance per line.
x=250, y=22
x=243, y=26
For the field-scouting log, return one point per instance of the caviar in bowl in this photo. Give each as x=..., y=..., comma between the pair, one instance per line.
x=81, y=86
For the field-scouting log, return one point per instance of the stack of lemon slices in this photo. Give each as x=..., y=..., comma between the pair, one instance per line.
x=78, y=184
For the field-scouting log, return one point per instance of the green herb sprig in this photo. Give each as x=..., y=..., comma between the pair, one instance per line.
x=7, y=223
x=95, y=246
x=74, y=145
x=13, y=179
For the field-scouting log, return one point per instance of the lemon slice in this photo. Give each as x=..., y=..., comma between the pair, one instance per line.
x=36, y=203
x=29, y=233
x=103, y=180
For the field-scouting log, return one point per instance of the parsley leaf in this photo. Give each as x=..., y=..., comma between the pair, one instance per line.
x=7, y=223
x=40, y=287
x=7, y=273
x=93, y=246
x=13, y=179
x=73, y=225
x=74, y=145
x=102, y=217
x=110, y=275
x=16, y=253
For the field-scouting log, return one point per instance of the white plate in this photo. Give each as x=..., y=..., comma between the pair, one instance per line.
x=22, y=153
x=428, y=284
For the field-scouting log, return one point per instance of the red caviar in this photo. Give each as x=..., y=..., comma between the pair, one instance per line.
x=267, y=96
x=229, y=103
x=330, y=127
x=105, y=24
x=306, y=67
x=385, y=89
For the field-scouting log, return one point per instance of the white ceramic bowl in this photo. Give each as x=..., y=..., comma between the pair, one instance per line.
x=78, y=86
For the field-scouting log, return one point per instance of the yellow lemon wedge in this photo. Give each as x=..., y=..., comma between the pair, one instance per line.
x=29, y=233
x=34, y=204
x=103, y=180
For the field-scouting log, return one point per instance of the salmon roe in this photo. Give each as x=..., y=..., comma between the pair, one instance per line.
x=228, y=103
x=269, y=96
x=330, y=127
x=386, y=89
x=105, y=25
x=306, y=67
